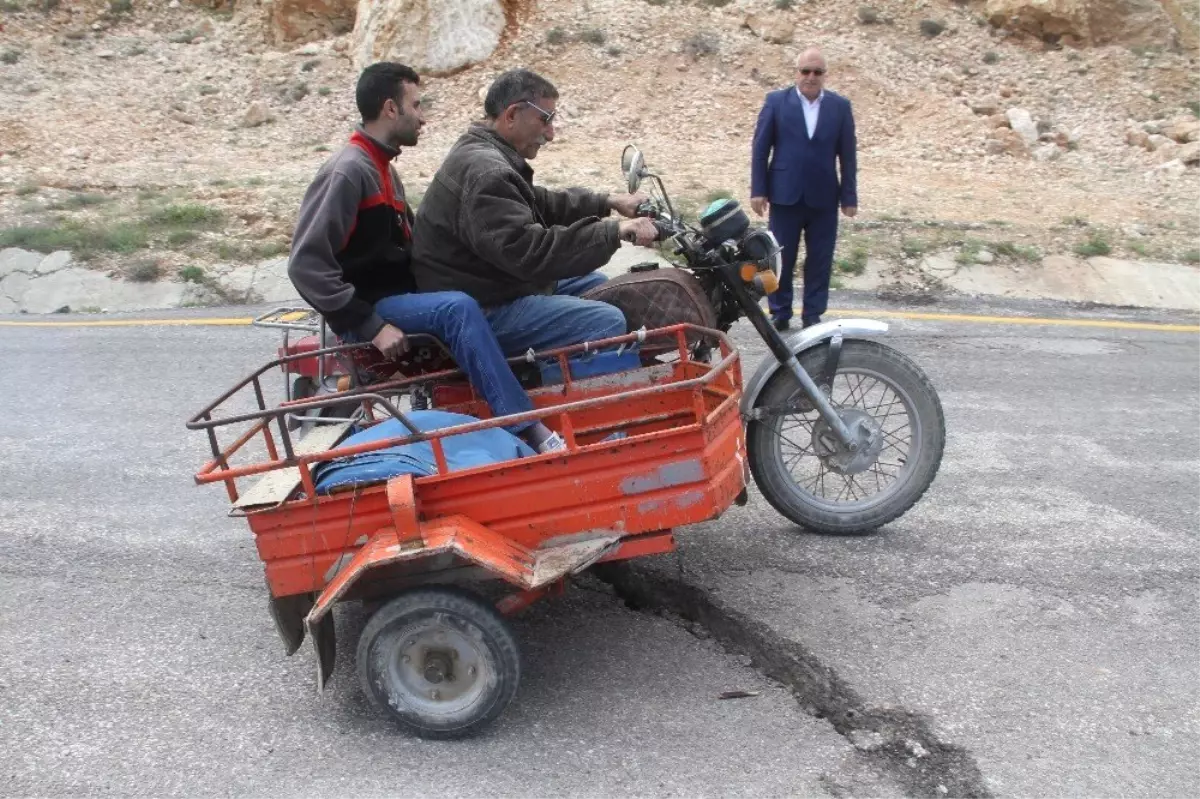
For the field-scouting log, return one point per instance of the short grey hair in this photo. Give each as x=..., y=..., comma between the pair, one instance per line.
x=515, y=86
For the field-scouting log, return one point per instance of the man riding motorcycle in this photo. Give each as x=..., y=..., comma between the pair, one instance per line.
x=351, y=252
x=524, y=252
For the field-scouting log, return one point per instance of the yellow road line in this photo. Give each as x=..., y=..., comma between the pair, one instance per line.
x=1109, y=324
x=222, y=321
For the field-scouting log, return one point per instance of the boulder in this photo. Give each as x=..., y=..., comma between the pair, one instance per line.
x=309, y=20
x=1092, y=22
x=81, y=288
x=1184, y=130
x=1157, y=141
x=1007, y=140
x=1022, y=122
x=988, y=105
x=1138, y=138
x=1047, y=152
x=13, y=259
x=773, y=28
x=432, y=36
x=1171, y=168
x=256, y=115
x=1167, y=151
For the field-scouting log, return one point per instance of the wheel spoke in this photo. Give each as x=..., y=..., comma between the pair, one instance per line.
x=854, y=485
x=862, y=396
x=782, y=437
x=796, y=459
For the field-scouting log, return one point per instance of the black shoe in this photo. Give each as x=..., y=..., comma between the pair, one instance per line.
x=782, y=324
x=809, y=321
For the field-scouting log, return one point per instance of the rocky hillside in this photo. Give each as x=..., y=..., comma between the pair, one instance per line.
x=153, y=137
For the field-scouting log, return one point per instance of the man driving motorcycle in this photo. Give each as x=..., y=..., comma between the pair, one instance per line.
x=524, y=252
x=351, y=252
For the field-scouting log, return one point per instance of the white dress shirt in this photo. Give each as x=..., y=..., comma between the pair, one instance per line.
x=812, y=108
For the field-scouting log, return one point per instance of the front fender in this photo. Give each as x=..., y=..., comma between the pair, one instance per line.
x=800, y=341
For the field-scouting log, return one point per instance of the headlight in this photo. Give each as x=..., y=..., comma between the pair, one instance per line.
x=776, y=257
x=761, y=246
x=764, y=258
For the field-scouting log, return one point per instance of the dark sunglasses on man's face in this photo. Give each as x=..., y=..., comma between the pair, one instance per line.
x=807, y=71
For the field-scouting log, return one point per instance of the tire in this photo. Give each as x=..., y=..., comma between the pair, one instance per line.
x=446, y=634
x=303, y=387
x=915, y=469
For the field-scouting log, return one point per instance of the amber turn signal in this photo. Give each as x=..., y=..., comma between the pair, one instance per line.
x=767, y=281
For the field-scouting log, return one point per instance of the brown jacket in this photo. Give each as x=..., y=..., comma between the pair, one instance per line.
x=483, y=228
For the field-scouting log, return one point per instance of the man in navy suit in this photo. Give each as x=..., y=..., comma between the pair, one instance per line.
x=801, y=132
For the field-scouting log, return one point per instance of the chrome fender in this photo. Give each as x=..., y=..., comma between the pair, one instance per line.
x=800, y=341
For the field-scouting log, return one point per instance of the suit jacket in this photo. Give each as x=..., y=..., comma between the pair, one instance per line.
x=789, y=168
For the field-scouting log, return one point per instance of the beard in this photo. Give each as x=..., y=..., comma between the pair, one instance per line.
x=406, y=137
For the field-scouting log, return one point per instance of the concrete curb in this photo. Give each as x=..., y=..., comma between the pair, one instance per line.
x=33, y=283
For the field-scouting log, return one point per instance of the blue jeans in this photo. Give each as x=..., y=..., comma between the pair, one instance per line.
x=457, y=320
x=545, y=322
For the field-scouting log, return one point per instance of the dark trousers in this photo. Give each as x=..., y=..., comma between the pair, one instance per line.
x=819, y=226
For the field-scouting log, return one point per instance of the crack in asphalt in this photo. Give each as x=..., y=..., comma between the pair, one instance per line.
x=899, y=742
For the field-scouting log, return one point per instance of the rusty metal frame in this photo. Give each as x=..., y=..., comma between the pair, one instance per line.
x=219, y=468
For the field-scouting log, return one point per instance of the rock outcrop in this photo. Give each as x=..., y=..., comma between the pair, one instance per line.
x=1090, y=22
x=433, y=36
x=309, y=20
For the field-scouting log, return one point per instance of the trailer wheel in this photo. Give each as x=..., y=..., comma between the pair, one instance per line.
x=441, y=662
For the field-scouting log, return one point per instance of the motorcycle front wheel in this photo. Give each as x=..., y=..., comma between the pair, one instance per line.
x=802, y=470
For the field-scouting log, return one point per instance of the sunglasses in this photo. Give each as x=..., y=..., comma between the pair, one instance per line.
x=807, y=71
x=547, y=116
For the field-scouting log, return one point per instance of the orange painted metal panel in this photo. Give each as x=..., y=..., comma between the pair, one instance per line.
x=657, y=543
x=683, y=463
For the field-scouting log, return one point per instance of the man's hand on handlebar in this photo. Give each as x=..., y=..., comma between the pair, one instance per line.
x=626, y=204
x=641, y=231
x=391, y=341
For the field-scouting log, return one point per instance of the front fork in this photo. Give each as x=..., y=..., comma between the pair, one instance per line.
x=783, y=353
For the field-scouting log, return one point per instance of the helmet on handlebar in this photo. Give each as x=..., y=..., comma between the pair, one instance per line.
x=724, y=220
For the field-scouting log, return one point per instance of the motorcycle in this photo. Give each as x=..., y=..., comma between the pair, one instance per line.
x=843, y=434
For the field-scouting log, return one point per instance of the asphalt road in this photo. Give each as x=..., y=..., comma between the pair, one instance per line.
x=1039, y=606
x=139, y=657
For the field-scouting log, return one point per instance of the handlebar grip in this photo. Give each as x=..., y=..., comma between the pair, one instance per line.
x=646, y=208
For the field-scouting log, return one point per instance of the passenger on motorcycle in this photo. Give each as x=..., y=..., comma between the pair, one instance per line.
x=351, y=253
x=524, y=252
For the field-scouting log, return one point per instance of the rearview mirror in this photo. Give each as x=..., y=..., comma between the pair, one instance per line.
x=633, y=166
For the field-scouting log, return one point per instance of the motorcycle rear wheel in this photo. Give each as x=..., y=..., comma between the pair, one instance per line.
x=790, y=451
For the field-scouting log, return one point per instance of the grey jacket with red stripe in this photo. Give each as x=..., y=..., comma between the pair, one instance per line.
x=353, y=240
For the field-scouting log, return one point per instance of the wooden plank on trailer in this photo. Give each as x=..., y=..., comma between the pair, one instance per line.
x=274, y=487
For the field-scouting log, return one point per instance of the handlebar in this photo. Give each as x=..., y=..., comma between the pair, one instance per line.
x=649, y=210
